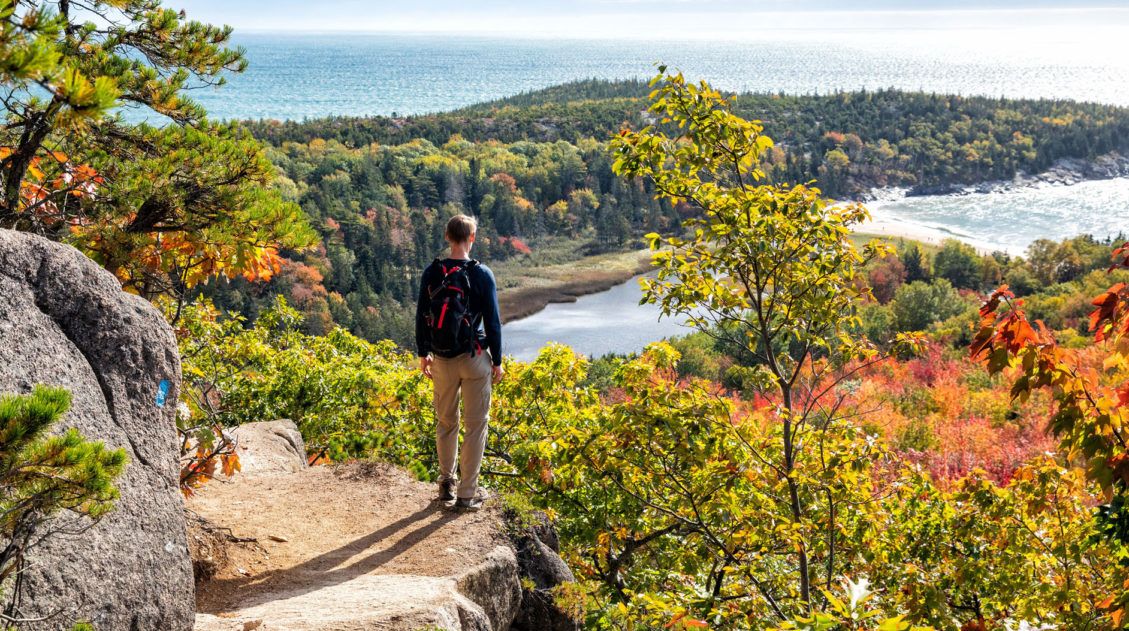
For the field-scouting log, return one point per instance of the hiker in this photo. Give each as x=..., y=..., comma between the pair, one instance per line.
x=459, y=343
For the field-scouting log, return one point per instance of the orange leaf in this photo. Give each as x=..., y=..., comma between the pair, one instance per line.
x=231, y=465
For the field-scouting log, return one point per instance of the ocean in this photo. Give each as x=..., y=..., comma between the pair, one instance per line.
x=1010, y=220
x=300, y=75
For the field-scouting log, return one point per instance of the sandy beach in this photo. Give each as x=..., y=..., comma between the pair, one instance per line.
x=1005, y=220
x=890, y=227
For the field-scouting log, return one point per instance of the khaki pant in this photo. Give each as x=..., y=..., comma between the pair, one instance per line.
x=469, y=374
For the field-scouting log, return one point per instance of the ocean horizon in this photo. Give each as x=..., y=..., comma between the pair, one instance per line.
x=299, y=75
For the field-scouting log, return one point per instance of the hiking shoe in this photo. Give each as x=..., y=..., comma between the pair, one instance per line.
x=446, y=490
x=471, y=503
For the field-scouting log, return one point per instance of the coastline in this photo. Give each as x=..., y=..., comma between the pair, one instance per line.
x=1063, y=172
x=534, y=288
x=537, y=287
x=893, y=228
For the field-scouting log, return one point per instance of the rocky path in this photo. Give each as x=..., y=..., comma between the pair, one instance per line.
x=358, y=547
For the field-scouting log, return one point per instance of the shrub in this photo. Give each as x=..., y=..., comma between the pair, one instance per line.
x=699, y=357
x=42, y=475
x=917, y=305
x=917, y=435
x=877, y=323
x=348, y=397
x=885, y=276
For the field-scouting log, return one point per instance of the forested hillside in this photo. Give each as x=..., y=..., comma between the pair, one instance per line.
x=381, y=211
x=930, y=139
x=854, y=438
x=858, y=437
x=535, y=170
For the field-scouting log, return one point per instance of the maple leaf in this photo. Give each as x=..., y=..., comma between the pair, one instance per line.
x=1106, y=304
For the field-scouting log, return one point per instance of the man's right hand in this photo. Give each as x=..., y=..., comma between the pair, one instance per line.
x=425, y=366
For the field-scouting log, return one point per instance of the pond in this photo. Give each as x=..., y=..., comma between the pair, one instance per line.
x=611, y=321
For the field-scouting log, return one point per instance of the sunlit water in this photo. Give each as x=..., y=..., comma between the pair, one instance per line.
x=296, y=76
x=1010, y=220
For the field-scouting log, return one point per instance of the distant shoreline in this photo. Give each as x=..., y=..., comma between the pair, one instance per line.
x=1064, y=172
x=569, y=281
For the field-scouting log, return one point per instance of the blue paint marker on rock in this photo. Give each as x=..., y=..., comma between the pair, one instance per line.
x=162, y=392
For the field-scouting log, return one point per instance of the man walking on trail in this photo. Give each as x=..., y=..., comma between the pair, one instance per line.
x=459, y=343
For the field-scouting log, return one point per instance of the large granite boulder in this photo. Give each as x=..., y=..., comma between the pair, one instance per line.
x=269, y=448
x=65, y=321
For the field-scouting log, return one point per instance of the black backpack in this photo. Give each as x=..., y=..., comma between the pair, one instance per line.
x=453, y=327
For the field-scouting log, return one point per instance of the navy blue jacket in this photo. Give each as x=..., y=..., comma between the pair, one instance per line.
x=483, y=303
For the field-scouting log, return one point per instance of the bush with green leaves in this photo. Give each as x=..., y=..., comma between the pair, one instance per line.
x=42, y=475
x=958, y=263
x=348, y=397
x=917, y=305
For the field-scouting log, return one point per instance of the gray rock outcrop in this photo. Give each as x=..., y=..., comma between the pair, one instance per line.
x=269, y=447
x=65, y=321
x=495, y=588
x=538, y=555
x=485, y=597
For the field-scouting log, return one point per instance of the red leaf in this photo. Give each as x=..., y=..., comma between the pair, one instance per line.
x=1123, y=396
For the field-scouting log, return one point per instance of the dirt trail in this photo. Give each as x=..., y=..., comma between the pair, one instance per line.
x=360, y=547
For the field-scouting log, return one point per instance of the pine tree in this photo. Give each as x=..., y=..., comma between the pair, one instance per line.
x=162, y=206
x=916, y=265
x=41, y=475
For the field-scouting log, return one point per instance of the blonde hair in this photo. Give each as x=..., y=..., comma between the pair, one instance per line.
x=460, y=227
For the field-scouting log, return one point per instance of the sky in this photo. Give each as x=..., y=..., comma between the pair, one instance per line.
x=644, y=18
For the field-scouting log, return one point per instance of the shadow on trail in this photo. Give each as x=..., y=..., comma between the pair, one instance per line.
x=327, y=569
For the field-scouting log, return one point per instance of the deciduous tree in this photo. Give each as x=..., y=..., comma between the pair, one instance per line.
x=1091, y=398
x=770, y=269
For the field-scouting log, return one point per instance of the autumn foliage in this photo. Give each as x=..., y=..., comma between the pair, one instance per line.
x=1090, y=391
